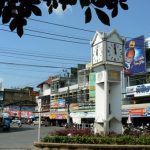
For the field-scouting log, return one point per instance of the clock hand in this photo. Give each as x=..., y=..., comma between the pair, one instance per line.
x=115, y=48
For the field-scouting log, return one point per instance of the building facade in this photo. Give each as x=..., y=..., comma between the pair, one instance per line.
x=136, y=89
x=75, y=99
x=20, y=102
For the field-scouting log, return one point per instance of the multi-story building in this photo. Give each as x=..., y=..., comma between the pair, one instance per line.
x=20, y=102
x=45, y=95
x=68, y=95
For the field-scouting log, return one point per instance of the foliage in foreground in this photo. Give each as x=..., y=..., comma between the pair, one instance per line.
x=124, y=139
x=86, y=137
x=17, y=12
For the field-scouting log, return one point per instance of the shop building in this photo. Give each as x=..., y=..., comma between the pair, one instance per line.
x=136, y=91
x=45, y=95
x=20, y=102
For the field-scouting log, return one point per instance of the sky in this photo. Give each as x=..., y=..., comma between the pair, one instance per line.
x=22, y=59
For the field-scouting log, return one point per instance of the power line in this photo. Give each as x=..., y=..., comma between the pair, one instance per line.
x=65, y=26
x=26, y=69
x=54, y=34
x=39, y=56
x=30, y=65
x=36, y=59
x=48, y=38
x=76, y=28
x=132, y=38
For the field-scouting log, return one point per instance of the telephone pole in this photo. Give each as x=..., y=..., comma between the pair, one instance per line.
x=67, y=74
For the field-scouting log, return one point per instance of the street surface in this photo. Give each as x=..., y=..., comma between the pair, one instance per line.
x=22, y=138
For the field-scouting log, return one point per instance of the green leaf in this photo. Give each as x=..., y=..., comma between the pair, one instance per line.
x=103, y=17
x=114, y=12
x=84, y=3
x=36, y=2
x=6, y=15
x=28, y=11
x=20, y=30
x=36, y=10
x=72, y=2
x=99, y=3
x=50, y=9
x=124, y=6
x=55, y=4
x=64, y=6
x=48, y=2
x=12, y=25
x=88, y=15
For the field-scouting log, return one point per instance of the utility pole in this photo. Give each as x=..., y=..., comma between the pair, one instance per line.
x=67, y=99
x=39, y=126
x=1, y=97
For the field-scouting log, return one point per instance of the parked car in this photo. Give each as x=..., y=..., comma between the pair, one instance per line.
x=17, y=121
x=36, y=122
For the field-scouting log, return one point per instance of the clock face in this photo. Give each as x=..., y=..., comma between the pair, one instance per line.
x=97, y=53
x=114, y=52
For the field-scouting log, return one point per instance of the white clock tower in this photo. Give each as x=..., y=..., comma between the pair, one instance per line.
x=107, y=62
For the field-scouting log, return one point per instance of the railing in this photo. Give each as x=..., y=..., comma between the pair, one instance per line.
x=85, y=126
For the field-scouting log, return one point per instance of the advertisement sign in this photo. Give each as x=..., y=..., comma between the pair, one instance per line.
x=139, y=90
x=135, y=60
x=147, y=113
x=58, y=116
x=57, y=103
x=92, y=82
x=61, y=102
x=54, y=103
x=23, y=108
x=137, y=111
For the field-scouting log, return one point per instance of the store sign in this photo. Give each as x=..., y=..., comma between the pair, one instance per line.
x=137, y=111
x=142, y=90
x=139, y=90
x=57, y=116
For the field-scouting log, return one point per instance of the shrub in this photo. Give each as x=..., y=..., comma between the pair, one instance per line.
x=73, y=132
x=84, y=136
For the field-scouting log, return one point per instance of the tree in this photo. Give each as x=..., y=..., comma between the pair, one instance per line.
x=17, y=12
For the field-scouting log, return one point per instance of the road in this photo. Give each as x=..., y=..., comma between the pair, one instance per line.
x=22, y=138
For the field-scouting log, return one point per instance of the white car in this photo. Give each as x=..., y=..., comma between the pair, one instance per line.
x=17, y=121
x=36, y=122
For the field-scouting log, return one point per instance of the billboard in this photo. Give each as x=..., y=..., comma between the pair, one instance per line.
x=58, y=103
x=135, y=60
x=92, y=82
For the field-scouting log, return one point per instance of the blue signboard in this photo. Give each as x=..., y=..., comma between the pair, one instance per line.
x=135, y=56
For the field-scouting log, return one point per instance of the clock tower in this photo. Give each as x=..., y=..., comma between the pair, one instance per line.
x=107, y=58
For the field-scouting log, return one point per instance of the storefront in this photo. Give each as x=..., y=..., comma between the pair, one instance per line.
x=138, y=106
x=138, y=116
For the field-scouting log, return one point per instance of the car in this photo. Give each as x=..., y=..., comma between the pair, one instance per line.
x=36, y=122
x=17, y=121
